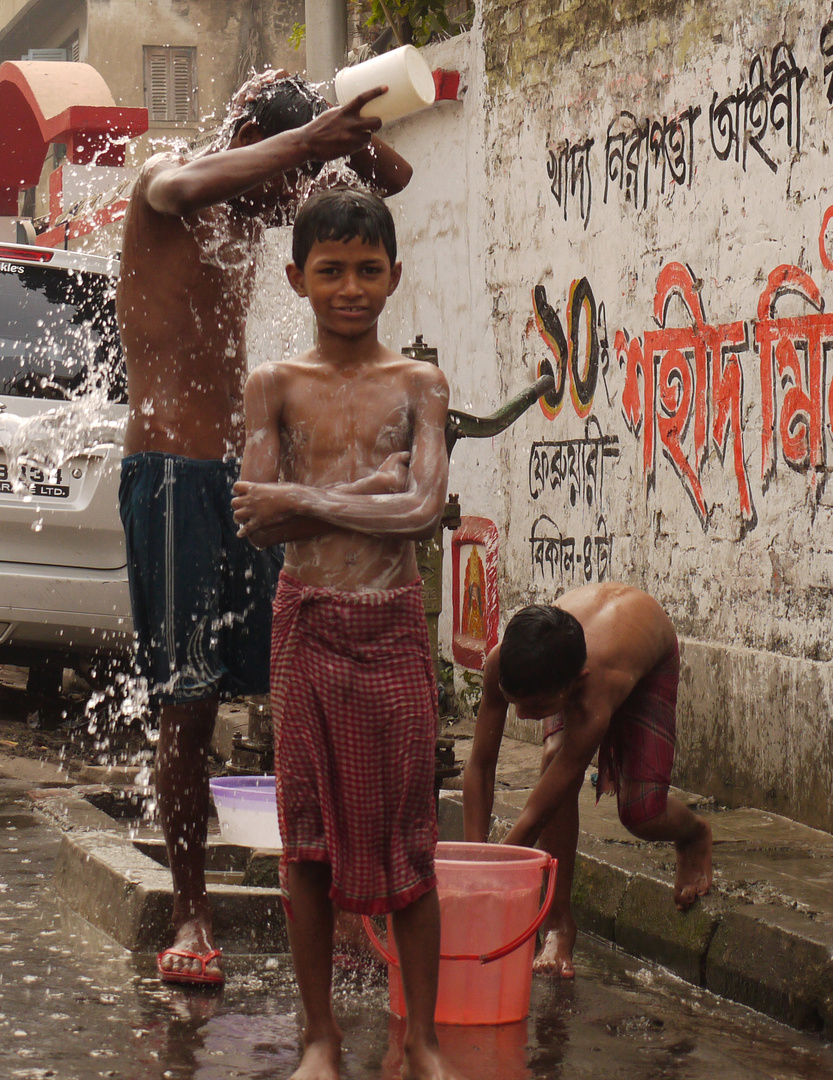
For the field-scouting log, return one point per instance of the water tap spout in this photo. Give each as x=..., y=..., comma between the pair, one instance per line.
x=461, y=425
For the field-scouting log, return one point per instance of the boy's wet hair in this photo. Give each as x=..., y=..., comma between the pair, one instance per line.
x=342, y=214
x=542, y=650
x=283, y=105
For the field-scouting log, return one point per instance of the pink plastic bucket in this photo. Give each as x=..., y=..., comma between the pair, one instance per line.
x=490, y=908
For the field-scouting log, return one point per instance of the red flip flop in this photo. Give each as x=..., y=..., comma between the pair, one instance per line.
x=211, y=978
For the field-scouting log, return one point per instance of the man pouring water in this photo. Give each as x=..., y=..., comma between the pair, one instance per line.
x=200, y=595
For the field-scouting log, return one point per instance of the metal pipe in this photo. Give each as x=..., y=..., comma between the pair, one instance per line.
x=460, y=425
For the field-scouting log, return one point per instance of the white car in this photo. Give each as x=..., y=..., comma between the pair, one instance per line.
x=63, y=577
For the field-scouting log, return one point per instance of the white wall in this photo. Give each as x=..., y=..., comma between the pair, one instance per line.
x=697, y=465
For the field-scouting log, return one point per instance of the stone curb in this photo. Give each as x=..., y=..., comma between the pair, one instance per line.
x=114, y=887
x=102, y=874
x=770, y=958
x=778, y=962
x=775, y=961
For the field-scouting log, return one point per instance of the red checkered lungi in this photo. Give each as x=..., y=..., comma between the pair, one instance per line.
x=354, y=706
x=636, y=754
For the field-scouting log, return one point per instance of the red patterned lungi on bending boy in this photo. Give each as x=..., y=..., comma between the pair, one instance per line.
x=354, y=707
x=636, y=754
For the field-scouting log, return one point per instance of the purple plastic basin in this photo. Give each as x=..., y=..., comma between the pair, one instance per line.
x=247, y=809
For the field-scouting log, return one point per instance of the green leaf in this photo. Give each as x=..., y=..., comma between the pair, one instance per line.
x=427, y=18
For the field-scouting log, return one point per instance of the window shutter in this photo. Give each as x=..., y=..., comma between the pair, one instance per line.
x=45, y=54
x=170, y=82
x=181, y=82
x=156, y=88
x=72, y=48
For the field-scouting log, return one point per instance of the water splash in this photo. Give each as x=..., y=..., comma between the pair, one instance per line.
x=47, y=441
x=122, y=704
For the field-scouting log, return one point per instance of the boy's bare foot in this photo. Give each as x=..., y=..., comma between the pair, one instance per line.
x=556, y=956
x=694, y=867
x=423, y=1062
x=193, y=936
x=321, y=1061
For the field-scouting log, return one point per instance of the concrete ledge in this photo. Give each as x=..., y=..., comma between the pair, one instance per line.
x=598, y=891
x=648, y=925
x=103, y=876
x=776, y=961
x=117, y=889
x=724, y=746
x=113, y=886
x=530, y=731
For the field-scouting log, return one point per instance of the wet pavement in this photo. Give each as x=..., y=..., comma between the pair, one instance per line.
x=74, y=1006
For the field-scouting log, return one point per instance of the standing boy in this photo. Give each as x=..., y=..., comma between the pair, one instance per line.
x=346, y=462
x=601, y=669
x=201, y=597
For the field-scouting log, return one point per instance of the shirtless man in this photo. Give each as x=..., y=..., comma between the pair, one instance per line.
x=601, y=669
x=346, y=461
x=200, y=596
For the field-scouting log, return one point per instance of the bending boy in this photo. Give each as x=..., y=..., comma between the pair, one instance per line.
x=601, y=668
x=200, y=596
x=346, y=462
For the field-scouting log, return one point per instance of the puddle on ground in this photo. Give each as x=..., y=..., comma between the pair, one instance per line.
x=13, y=822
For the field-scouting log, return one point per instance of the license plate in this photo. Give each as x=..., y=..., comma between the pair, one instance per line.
x=38, y=483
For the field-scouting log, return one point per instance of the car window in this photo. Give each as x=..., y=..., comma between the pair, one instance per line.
x=58, y=333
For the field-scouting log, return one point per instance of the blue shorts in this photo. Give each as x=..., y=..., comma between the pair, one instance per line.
x=201, y=597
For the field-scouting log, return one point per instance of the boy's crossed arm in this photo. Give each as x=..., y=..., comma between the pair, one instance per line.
x=264, y=501
x=402, y=498
x=258, y=493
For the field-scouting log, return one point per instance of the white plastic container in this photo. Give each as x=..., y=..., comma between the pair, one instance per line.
x=408, y=79
x=248, y=811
